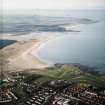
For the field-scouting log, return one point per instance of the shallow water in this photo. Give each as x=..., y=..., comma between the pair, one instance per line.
x=86, y=47
x=4, y=43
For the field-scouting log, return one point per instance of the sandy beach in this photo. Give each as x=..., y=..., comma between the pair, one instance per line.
x=19, y=54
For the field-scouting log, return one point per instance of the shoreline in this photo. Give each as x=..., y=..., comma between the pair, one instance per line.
x=22, y=57
x=35, y=52
x=26, y=48
x=25, y=51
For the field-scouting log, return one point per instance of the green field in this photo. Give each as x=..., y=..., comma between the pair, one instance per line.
x=70, y=73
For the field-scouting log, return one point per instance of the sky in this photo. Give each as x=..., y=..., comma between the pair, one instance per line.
x=52, y=4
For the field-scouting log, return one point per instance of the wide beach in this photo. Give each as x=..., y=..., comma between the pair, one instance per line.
x=19, y=55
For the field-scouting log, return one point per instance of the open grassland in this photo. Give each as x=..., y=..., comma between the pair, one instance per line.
x=70, y=73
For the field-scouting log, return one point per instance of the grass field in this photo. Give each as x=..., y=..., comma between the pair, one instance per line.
x=70, y=73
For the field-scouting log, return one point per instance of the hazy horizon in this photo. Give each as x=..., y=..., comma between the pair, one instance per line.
x=52, y=4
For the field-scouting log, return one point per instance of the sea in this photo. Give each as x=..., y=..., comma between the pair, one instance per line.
x=83, y=41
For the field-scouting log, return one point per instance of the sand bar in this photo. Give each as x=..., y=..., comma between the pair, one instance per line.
x=20, y=53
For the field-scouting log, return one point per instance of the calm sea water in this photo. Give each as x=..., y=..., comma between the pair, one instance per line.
x=86, y=47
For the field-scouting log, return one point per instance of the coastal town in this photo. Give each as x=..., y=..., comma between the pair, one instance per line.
x=22, y=89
